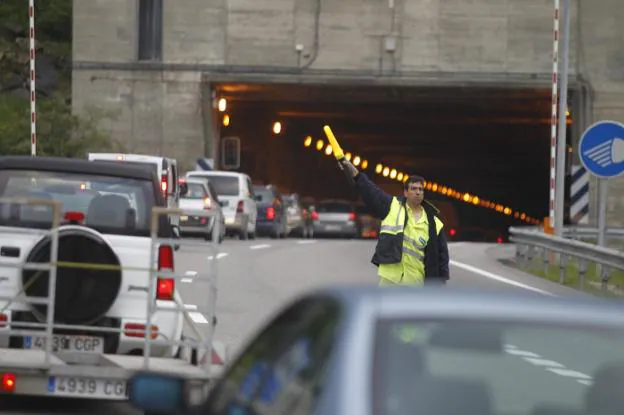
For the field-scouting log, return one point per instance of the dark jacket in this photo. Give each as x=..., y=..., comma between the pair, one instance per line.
x=436, y=251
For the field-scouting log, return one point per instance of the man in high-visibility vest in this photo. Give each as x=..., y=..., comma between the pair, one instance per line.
x=411, y=248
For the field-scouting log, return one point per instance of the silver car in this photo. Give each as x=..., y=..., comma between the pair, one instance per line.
x=197, y=195
x=402, y=351
x=336, y=218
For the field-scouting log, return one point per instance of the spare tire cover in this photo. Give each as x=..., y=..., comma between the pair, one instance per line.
x=82, y=295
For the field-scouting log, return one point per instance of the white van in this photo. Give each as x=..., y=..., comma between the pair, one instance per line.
x=237, y=199
x=165, y=168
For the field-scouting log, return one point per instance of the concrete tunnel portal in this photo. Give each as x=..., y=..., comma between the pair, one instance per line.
x=484, y=151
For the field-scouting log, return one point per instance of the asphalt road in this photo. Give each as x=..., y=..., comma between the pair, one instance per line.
x=256, y=277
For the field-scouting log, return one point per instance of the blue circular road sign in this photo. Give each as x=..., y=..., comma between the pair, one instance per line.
x=601, y=149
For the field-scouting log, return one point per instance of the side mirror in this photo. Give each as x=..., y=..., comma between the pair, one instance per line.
x=183, y=189
x=166, y=394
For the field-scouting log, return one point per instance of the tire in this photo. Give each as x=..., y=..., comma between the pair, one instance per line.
x=83, y=296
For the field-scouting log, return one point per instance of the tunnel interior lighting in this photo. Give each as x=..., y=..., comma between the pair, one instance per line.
x=222, y=104
x=226, y=120
x=277, y=127
x=394, y=174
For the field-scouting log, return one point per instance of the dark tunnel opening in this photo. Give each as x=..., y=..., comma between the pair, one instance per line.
x=484, y=151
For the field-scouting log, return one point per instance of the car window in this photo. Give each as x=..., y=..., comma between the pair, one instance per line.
x=265, y=195
x=195, y=191
x=109, y=204
x=476, y=368
x=281, y=371
x=333, y=207
x=223, y=185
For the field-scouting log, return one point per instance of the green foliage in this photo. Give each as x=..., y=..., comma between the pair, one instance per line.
x=53, y=18
x=59, y=132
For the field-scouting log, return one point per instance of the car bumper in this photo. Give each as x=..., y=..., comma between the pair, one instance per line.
x=336, y=229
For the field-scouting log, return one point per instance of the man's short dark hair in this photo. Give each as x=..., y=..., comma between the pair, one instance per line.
x=414, y=178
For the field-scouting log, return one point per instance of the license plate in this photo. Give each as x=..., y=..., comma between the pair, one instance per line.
x=82, y=344
x=229, y=221
x=183, y=218
x=332, y=228
x=85, y=387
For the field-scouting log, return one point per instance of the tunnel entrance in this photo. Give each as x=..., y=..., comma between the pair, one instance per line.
x=484, y=151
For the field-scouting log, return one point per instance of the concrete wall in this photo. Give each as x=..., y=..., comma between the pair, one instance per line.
x=161, y=111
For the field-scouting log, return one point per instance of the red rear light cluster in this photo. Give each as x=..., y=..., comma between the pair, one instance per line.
x=352, y=216
x=165, y=286
x=240, y=208
x=140, y=330
x=3, y=320
x=75, y=217
x=8, y=382
x=270, y=213
x=452, y=232
x=164, y=184
x=499, y=240
x=314, y=215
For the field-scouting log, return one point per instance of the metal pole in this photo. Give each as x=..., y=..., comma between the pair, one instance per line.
x=33, y=106
x=603, y=186
x=561, y=134
x=553, y=117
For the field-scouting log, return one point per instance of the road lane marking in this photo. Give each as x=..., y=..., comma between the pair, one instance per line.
x=198, y=317
x=192, y=274
x=549, y=365
x=498, y=278
x=309, y=241
x=262, y=246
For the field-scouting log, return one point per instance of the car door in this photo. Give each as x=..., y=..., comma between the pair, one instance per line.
x=283, y=369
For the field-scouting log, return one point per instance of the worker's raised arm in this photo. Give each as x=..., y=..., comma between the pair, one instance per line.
x=373, y=196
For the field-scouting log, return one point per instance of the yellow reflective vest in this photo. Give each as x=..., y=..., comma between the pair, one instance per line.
x=409, y=264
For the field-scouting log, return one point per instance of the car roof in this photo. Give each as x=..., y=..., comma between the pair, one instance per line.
x=216, y=173
x=196, y=181
x=468, y=303
x=73, y=165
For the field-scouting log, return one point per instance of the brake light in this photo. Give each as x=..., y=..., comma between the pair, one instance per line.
x=139, y=330
x=74, y=217
x=3, y=320
x=270, y=213
x=165, y=286
x=83, y=186
x=8, y=382
x=314, y=215
x=164, y=185
x=499, y=240
x=352, y=216
x=452, y=232
x=207, y=203
x=240, y=207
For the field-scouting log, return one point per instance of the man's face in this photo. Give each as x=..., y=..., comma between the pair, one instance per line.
x=415, y=193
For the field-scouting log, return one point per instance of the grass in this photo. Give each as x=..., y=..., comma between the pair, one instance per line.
x=592, y=282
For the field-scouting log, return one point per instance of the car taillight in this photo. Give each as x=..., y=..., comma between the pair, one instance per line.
x=240, y=207
x=314, y=215
x=3, y=320
x=164, y=185
x=499, y=240
x=351, y=216
x=74, y=217
x=270, y=213
x=207, y=203
x=8, y=382
x=165, y=286
x=452, y=232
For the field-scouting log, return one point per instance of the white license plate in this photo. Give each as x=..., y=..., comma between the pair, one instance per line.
x=183, y=217
x=229, y=221
x=82, y=344
x=332, y=228
x=85, y=387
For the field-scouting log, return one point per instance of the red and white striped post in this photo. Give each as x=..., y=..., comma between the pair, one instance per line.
x=33, y=92
x=553, y=119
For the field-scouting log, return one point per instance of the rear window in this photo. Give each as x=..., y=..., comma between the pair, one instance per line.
x=265, y=195
x=110, y=204
x=223, y=185
x=195, y=191
x=334, y=207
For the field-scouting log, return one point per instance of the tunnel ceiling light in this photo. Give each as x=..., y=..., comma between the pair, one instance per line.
x=328, y=149
x=356, y=161
x=386, y=171
x=405, y=178
x=434, y=187
x=308, y=141
x=475, y=200
x=222, y=104
x=378, y=168
x=348, y=156
x=226, y=120
x=364, y=164
x=277, y=127
x=466, y=197
x=400, y=177
x=393, y=174
x=319, y=145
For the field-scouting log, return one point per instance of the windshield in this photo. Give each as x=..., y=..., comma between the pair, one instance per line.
x=110, y=204
x=223, y=185
x=195, y=191
x=334, y=207
x=503, y=369
x=264, y=195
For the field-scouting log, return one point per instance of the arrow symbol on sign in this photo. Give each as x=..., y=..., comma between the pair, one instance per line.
x=607, y=153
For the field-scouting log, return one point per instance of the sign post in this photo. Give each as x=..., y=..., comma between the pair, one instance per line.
x=601, y=150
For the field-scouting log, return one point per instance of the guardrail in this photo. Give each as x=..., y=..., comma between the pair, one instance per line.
x=533, y=242
x=587, y=231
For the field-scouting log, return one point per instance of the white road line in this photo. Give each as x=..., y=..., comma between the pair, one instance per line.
x=262, y=246
x=190, y=306
x=523, y=353
x=569, y=373
x=543, y=362
x=495, y=277
x=219, y=256
x=198, y=317
x=308, y=241
x=585, y=382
